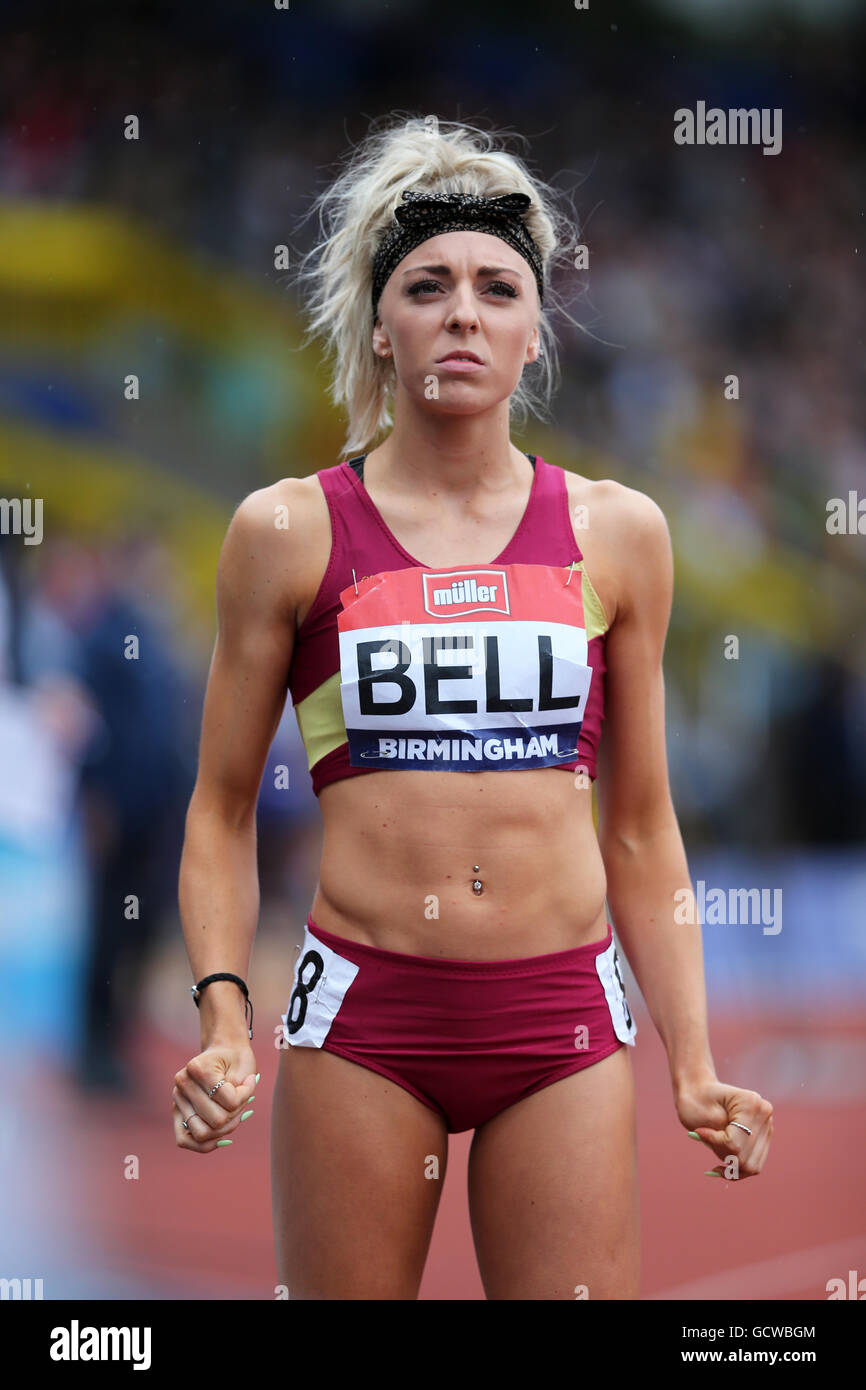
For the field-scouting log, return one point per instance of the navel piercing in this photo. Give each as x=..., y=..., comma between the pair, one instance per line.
x=477, y=885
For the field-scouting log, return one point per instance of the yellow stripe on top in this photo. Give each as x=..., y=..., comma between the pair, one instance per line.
x=593, y=614
x=320, y=715
x=320, y=720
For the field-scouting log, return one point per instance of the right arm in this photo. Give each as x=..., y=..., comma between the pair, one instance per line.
x=246, y=692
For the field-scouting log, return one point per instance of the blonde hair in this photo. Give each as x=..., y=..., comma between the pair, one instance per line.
x=356, y=210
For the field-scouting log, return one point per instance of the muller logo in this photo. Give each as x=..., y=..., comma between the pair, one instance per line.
x=456, y=593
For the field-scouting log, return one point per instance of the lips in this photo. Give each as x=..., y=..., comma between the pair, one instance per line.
x=460, y=356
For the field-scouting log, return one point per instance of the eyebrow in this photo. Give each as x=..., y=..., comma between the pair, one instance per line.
x=482, y=270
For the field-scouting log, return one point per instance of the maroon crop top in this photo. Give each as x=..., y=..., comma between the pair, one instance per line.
x=568, y=630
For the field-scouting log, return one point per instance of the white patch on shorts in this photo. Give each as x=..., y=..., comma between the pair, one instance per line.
x=317, y=1007
x=607, y=965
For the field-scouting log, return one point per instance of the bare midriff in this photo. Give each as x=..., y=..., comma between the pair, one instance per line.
x=404, y=854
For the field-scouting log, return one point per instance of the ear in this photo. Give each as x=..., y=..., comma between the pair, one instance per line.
x=381, y=343
x=533, y=347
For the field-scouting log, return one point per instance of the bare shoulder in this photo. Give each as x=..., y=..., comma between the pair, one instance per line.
x=622, y=534
x=274, y=542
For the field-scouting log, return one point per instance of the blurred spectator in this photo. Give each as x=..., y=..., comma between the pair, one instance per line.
x=46, y=720
x=135, y=783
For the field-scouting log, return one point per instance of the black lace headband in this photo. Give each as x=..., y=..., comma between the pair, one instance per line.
x=423, y=215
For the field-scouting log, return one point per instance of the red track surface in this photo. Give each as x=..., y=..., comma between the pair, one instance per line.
x=193, y=1226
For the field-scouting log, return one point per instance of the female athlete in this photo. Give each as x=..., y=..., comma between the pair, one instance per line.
x=454, y=619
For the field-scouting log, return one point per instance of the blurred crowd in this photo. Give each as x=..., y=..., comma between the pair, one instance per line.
x=702, y=263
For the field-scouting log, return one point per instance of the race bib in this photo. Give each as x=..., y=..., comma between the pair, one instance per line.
x=610, y=974
x=319, y=987
x=464, y=670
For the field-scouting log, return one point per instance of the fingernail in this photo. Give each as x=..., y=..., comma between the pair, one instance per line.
x=258, y=1077
x=246, y=1114
x=711, y=1173
x=221, y=1143
x=692, y=1135
x=252, y=1098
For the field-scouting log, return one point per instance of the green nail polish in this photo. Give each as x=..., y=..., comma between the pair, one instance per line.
x=221, y=1143
x=258, y=1077
x=246, y=1114
x=692, y=1135
x=252, y=1098
x=711, y=1173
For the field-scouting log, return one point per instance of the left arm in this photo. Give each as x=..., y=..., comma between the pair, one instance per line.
x=642, y=848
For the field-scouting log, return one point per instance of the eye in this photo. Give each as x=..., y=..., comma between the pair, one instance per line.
x=501, y=285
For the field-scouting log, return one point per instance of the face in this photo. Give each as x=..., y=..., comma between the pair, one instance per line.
x=459, y=291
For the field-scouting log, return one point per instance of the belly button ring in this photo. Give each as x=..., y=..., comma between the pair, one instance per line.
x=477, y=884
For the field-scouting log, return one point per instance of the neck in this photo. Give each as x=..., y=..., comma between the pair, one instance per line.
x=461, y=455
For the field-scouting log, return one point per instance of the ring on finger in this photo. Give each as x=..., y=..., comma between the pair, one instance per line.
x=216, y=1087
x=739, y=1126
x=187, y=1120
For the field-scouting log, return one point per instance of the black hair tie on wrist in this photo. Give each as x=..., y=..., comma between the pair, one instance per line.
x=195, y=991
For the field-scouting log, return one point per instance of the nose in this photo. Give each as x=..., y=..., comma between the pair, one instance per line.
x=462, y=311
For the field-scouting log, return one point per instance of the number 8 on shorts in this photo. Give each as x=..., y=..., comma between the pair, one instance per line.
x=319, y=986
